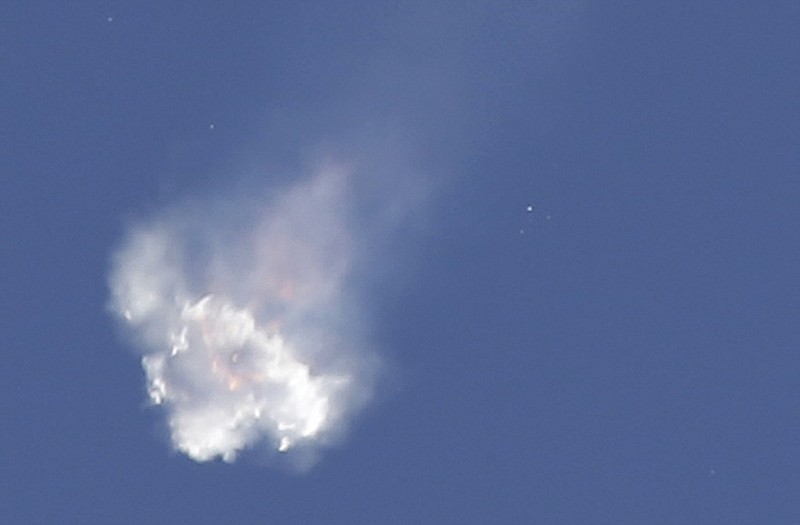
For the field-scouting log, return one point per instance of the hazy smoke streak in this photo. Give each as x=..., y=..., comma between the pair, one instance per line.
x=244, y=320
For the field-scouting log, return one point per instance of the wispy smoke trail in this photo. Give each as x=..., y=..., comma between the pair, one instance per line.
x=242, y=313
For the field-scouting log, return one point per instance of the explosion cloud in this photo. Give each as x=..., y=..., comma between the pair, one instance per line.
x=241, y=310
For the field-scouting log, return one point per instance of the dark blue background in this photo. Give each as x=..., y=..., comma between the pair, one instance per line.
x=631, y=359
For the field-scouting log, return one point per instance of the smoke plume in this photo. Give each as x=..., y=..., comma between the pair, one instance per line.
x=243, y=314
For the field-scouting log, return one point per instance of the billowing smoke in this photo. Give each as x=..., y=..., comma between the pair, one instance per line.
x=242, y=310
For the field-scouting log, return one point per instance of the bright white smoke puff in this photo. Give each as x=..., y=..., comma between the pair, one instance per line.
x=245, y=323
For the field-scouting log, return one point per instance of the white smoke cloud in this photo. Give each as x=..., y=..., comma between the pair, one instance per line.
x=242, y=311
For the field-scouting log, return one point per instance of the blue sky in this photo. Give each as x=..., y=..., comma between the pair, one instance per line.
x=625, y=353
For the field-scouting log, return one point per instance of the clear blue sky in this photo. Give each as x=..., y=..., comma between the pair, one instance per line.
x=633, y=358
